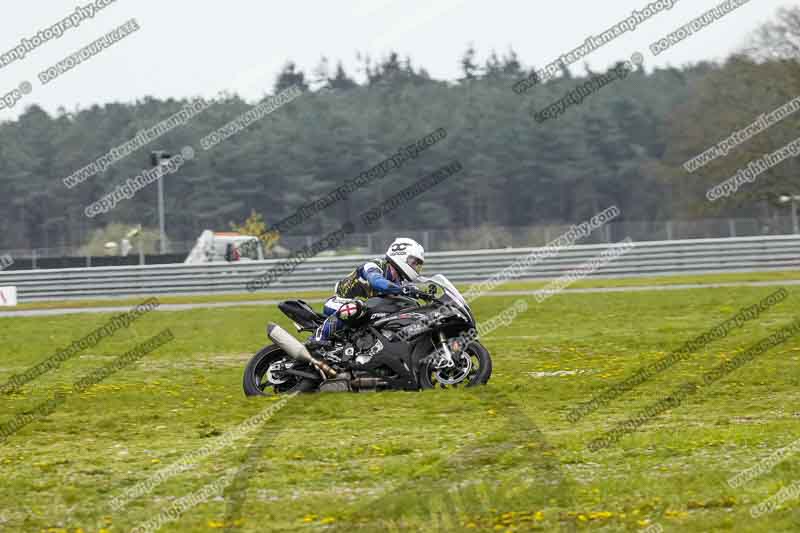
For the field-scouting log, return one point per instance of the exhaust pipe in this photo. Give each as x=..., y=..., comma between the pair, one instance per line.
x=295, y=348
x=368, y=383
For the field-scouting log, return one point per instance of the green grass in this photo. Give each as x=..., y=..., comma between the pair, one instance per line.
x=793, y=275
x=734, y=277
x=502, y=457
x=188, y=299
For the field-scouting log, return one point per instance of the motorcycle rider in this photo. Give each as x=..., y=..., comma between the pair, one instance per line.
x=391, y=274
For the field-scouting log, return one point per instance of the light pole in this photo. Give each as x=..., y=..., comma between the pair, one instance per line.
x=159, y=157
x=785, y=199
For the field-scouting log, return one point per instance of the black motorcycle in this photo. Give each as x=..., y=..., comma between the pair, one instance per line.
x=399, y=344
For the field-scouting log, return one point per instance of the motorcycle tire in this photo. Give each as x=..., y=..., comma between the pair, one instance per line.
x=259, y=362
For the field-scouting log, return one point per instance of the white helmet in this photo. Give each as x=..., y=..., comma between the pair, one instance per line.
x=407, y=256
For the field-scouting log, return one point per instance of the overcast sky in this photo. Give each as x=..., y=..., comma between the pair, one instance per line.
x=188, y=48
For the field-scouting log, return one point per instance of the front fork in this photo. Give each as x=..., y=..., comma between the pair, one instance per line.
x=445, y=360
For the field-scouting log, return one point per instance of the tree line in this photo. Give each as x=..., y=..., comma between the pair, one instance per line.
x=625, y=144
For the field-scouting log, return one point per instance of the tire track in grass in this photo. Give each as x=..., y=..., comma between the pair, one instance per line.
x=552, y=486
x=551, y=483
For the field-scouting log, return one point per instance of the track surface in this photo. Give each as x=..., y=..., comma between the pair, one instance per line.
x=184, y=307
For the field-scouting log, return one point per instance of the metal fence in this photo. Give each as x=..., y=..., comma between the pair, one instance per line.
x=485, y=237
x=644, y=259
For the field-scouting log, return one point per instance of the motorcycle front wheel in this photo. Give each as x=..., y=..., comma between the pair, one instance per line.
x=258, y=377
x=473, y=367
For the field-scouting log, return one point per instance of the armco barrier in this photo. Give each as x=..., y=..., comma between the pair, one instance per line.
x=645, y=259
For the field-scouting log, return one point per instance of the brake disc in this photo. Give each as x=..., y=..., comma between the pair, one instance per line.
x=459, y=372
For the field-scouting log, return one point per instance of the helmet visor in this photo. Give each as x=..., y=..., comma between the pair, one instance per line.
x=415, y=263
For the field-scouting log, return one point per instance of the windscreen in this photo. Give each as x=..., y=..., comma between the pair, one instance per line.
x=450, y=289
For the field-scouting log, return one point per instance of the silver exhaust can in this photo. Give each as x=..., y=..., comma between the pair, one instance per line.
x=295, y=349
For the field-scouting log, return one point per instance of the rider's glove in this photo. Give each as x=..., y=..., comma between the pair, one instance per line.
x=409, y=290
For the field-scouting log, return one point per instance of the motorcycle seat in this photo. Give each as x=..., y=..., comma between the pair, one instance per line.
x=301, y=312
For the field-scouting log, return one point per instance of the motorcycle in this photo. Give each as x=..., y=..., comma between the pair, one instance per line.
x=399, y=344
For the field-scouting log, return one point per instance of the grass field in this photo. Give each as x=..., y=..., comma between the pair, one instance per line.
x=502, y=458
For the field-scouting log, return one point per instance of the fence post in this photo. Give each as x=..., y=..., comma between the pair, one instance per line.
x=33, y=259
x=669, y=230
x=732, y=227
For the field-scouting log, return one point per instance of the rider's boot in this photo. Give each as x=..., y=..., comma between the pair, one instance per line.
x=323, y=338
x=313, y=344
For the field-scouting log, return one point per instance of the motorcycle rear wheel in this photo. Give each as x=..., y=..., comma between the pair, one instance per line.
x=479, y=374
x=255, y=382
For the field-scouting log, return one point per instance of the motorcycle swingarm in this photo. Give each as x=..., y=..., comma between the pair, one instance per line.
x=301, y=374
